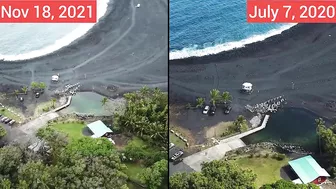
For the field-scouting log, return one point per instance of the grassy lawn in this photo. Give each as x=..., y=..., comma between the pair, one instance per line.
x=177, y=141
x=267, y=169
x=133, y=169
x=42, y=108
x=217, y=130
x=73, y=130
x=6, y=113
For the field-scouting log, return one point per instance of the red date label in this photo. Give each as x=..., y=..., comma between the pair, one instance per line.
x=291, y=11
x=60, y=11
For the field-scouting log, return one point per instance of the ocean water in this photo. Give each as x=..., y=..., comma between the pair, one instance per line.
x=199, y=28
x=26, y=41
x=289, y=126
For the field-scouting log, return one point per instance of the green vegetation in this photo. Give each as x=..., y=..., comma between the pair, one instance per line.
x=133, y=169
x=283, y=184
x=38, y=85
x=104, y=101
x=5, y=113
x=238, y=126
x=216, y=175
x=327, y=142
x=3, y=131
x=70, y=160
x=24, y=89
x=53, y=101
x=155, y=176
x=72, y=130
x=177, y=141
x=63, y=165
x=236, y=174
x=216, y=97
x=200, y=102
x=146, y=116
x=267, y=169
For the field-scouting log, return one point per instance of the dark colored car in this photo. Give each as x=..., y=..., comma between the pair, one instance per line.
x=37, y=95
x=227, y=109
x=178, y=161
x=212, y=110
x=7, y=121
x=21, y=99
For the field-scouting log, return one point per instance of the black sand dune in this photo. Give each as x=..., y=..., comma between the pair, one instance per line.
x=304, y=54
x=125, y=50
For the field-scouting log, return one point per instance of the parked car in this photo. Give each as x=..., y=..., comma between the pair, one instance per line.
x=171, y=145
x=37, y=95
x=212, y=110
x=227, y=109
x=177, y=155
x=178, y=161
x=8, y=120
x=206, y=109
x=3, y=119
x=11, y=122
x=21, y=99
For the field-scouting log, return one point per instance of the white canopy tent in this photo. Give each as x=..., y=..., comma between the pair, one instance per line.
x=54, y=78
x=247, y=86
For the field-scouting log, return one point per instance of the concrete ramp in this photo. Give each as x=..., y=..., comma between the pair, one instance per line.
x=214, y=153
x=31, y=127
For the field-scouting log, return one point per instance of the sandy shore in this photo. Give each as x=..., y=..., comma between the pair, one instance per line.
x=126, y=50
x=304, y=54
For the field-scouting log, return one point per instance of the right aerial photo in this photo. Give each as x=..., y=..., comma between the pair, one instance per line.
x=252, y=103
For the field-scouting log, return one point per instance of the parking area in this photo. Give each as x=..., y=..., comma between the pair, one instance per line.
x=178, y=166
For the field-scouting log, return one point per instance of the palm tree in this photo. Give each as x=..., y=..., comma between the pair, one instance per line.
x=240, y=123
x=16, y=92
x=104, y=101
x=200, y=102
x=24, y=89
x=42, y=85
x=145, y=90
x=226, y=97
x=53, y=101
x=214, y=95
x=34, y=85
x=320, y=123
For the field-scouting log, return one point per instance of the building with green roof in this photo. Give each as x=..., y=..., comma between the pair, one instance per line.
x=99, y=129
x=308, y=170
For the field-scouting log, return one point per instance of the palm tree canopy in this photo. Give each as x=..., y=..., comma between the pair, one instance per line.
x=226, y=97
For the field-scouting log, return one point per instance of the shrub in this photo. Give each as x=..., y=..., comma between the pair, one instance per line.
x=250, y=156
x=266, y=155
x=258, y=155
x=281, y=157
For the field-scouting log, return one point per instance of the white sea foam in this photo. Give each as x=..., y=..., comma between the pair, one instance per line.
x=193, y=52
x=64, y=41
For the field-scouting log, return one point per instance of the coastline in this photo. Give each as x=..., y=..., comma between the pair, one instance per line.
x=109, y=55
x=303, y=54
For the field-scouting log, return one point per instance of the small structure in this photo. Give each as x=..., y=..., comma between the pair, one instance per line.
x=55, y=78
x=99, y=129
x=308, y=171
x=138, y=6
x=247, y=87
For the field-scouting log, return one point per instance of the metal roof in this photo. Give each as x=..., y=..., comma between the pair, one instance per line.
x=99, y=128
x=307, y=169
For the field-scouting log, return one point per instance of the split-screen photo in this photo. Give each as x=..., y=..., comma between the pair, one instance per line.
x=167, y=94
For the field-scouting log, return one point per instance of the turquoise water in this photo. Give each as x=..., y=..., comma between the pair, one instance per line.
x=289, y=125
x=199, y=27
x=87, y=103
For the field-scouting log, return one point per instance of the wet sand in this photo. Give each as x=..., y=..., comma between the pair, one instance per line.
x=304, y=54
x=126, y=50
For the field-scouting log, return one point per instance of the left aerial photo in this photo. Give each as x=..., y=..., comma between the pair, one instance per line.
x=83, y=94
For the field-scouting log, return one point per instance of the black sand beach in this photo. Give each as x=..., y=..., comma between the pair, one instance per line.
x=304, y=54
x=126, y=50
